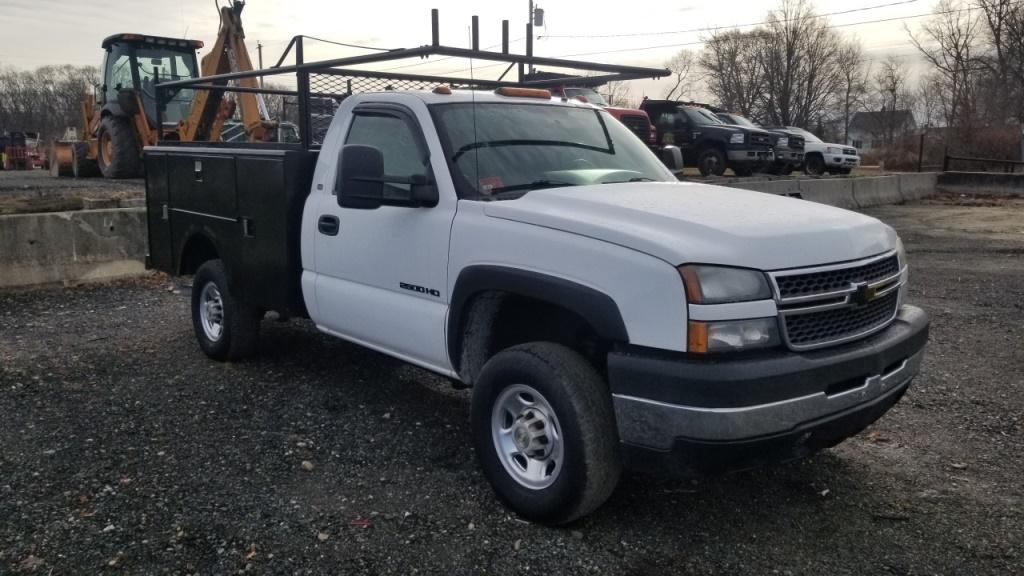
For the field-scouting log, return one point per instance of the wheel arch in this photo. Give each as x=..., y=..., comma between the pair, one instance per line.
x=482, y=291
x=196, y=249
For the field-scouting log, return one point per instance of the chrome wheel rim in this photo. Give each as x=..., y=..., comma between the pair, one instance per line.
x=211, y=312
x=527, y=436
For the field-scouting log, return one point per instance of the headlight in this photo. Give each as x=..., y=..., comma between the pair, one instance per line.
x=736, y=139
x=719, y=284
x=731, y=335
x=782, y=142
x=832, y=150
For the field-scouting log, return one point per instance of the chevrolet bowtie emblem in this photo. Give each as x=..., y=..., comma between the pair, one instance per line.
x=863, y=293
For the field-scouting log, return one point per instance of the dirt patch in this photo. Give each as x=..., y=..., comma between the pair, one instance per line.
x=27, y=191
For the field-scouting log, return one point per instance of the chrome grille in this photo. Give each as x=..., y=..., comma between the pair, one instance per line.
x=638, y=125
x=829, y=305
x=839, y=323
x=798, y=285
x=850, y=152
x=761, y=139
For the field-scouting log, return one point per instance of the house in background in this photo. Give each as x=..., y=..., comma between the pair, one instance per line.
x=879, y=129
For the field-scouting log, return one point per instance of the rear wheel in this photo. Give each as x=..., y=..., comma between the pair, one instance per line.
x=814, y=165
x=226, y=328
x=544, y=431
x=117, y=149
x=711, y=162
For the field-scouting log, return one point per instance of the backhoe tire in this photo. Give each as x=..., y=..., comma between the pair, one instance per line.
x=711, y=162
x=81, y=165
x=117, y=149
x=226, y=328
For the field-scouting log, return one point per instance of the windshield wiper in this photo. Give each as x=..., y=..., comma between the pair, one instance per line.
x=524, y=142
x=535, y=185
x=637, y=179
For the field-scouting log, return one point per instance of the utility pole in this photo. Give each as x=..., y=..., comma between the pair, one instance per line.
x=259, y=53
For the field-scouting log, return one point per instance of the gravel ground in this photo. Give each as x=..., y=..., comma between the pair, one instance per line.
x=124, y=450
x=23, y=191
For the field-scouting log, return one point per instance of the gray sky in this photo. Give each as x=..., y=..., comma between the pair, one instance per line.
x=38, y=32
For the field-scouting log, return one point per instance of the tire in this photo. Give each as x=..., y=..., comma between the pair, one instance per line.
x=582, y=467
x=711, y=162
x=226, y=328
x=743, y=171
x=117, y=150
x=814, y=165
x=81, y=165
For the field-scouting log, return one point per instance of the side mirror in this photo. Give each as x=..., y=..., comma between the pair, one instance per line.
x=672, y=156
x=362, y=177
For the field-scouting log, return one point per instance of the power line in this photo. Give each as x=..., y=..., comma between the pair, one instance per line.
x=715, y=28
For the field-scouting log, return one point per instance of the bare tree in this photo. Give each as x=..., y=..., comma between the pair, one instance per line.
x=853, y=86
x=733, y=70
x=44, y=100
x=681, y=65
x=799, y=56
x=948, y=43
x=619, y=94
x=893, y=102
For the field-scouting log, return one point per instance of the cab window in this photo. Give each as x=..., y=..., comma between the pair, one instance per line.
x=404, y=155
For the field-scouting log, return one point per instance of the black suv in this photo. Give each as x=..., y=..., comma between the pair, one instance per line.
x=708, y=142
x=789, y=144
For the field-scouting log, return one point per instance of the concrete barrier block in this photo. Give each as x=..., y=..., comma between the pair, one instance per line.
x=917, y=186
x=69, y=247
x=783, y=187
x=876, y=191
x=831, y=191
x=981, y=183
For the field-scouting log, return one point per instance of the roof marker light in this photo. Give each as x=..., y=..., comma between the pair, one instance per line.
x=524, y=92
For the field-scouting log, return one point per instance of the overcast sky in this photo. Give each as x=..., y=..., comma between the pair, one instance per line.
x=39, y=32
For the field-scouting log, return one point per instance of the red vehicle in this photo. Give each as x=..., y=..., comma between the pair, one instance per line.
x=13, y=154
x=636, y=120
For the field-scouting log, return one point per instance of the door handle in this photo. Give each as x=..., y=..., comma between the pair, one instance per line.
x=328, y=225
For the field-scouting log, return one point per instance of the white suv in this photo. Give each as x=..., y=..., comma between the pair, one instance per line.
x=821, y=157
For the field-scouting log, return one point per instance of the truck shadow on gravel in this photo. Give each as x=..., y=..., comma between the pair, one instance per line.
x=344, y=377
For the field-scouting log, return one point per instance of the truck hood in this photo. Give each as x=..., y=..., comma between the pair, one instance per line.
x=690, y=222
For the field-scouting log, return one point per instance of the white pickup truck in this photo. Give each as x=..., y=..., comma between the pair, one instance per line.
x=534, y=249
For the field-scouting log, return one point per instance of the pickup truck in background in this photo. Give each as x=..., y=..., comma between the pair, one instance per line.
x=706, y=141
x=604, y=313
x=822, y=157
x=788, y=145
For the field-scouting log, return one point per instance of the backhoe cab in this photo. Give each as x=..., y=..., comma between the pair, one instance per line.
x=125, y=118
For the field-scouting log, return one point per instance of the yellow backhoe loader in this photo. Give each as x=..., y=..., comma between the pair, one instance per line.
x=122, y=118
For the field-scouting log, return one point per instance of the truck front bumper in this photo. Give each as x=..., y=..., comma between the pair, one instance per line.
x=756, y=155
x=790, y=157
x=707, y=415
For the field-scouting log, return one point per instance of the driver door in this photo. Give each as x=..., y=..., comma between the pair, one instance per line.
x=382, y=274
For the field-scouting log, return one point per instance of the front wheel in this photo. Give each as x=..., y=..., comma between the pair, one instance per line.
x=226, y=328
x=117, y=149
x=711, y=162
x=814, y=165
x=544, y=431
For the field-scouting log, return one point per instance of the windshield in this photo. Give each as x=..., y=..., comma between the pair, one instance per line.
x=169, y=65
x=500, y=151
x=737, y=120
x=807, y=135
x=590, y=94
x=702, y=116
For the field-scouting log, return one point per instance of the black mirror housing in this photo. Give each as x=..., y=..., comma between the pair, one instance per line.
x=362, y=177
